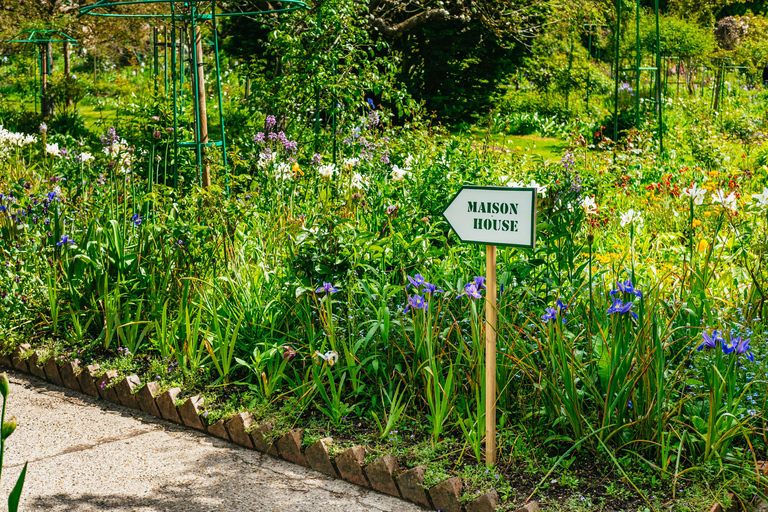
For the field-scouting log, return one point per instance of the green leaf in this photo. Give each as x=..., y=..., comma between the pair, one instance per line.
x=15, y=496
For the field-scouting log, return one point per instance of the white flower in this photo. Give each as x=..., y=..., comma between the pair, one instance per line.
x=327, y=170
x=85, y=157
x=696, y=193
x=728, y=201
x=761, y=200
x=351, y=162
x=53, y=149
x=358, y=181
x=283, y=172
x=409, y=162
x=331, y=357
x=398, y=174
x=590, y=205
x=265, y=158
x=9, y=139
x=631, y=217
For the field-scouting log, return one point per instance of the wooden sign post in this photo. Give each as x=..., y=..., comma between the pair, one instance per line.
x=493, y=216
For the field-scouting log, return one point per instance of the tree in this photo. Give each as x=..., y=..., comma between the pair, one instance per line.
x=457, y=53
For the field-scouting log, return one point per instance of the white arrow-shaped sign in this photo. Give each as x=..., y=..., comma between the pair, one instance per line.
x=494, y=215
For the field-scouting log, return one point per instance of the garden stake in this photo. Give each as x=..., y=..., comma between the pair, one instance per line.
x=490, y=355
x=493, y=216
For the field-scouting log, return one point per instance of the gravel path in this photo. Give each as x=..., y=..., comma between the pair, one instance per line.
x=91, y=455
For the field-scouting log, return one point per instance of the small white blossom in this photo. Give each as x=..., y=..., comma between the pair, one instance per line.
x=53, y=149
x=327, y=171
x=398, y=174
x=696, y=193
x=265, y=159
x=631, y=217
x=728, y=201
x=283, y=172
x=761, y=200
x=331, y=357
x=589, y=205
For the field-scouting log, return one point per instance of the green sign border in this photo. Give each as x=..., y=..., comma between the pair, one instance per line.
x=521, y=189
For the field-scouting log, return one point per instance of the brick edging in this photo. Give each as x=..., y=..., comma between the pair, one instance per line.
x=382, y=475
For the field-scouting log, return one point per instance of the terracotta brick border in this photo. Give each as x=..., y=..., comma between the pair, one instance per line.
x=383, y=474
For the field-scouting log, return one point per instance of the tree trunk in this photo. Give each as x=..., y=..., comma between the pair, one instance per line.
x=202, y=117
x=67, y=68
x=718, y=87
x=46, y=103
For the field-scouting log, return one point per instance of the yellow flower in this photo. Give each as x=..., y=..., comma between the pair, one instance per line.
x=707, y=214
x=703, y=244
x=296, y=169
x=696, y=222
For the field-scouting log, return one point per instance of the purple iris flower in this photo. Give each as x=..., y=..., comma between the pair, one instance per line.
x=431, y=288
x=730, y=346
x=471, y=290
x=479, y=282
x=416, y=302
x=562, y=307
x=711, y=341
x=742, y=347
x=417, y=281
x=551, y=314
x=64, y=240
x=327, y=288
x=628, y=288
x=621, y=308
x=136, y=219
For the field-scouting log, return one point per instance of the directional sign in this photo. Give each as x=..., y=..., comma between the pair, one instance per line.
x=494, y=215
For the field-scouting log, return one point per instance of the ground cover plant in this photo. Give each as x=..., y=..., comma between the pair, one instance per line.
x=316, y=283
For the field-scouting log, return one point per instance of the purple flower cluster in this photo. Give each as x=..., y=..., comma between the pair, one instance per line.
x=472, y=288
x=64, y=241
x=621, y=308
x=560, y=310
x=422, y=287
x=110, y=138
x=327, y=288
x=628, y=288
x=262, y=138
x=738, y=345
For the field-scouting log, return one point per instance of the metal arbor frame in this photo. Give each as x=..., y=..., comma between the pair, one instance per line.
x=43, y=38
x=197, y=13
x=591, y=30
x=636, y=69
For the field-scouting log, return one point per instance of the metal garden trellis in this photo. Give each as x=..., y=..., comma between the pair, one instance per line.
x=43, y=39
x=637, y=68
x=196, y=12
x=592, y=31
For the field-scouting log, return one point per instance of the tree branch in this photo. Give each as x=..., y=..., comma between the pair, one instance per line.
x=395, y=31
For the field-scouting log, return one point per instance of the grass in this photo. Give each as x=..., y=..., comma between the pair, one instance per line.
x=547, y=147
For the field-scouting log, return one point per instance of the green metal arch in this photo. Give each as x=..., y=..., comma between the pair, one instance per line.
x=293, y=5
x=41, y=36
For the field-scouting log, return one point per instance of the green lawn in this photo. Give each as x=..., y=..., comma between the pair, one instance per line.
x=549, y=148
